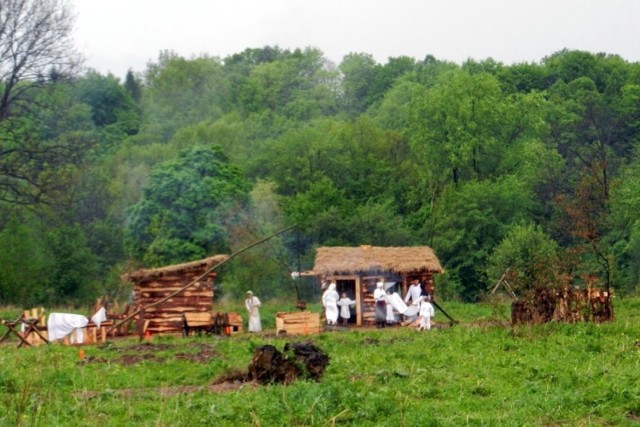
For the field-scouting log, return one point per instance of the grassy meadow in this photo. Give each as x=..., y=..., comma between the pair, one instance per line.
x=479, y=372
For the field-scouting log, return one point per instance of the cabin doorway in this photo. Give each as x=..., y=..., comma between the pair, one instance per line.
x=348, y=286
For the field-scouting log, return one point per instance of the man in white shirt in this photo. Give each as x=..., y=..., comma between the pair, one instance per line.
x=414, y=293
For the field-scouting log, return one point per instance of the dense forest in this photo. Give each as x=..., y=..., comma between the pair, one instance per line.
x=531, y=169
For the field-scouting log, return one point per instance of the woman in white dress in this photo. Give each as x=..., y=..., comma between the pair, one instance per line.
x=252, y=303
x=330, y=302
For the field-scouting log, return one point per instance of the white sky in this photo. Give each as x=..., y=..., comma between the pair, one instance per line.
x=116, y=35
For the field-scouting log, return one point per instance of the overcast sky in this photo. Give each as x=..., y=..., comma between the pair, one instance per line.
x=116, y=35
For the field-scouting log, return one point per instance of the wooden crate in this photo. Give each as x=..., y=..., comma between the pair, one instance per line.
x=298, y=323
x=235, y=320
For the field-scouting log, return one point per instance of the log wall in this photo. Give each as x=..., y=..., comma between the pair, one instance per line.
x=167, y=316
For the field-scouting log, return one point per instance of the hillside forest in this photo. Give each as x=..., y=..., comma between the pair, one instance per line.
x=532, y=169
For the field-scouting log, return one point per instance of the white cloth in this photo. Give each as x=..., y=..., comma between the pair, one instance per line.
x=391, y=316
x=330, y=302
x=62, y=324
x=397, y=303
x=252, y=304
x=344, y=304
x=426, y=313
x=413, y=294
x=99, y=317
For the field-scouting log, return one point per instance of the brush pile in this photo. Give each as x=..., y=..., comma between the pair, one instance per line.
x=568, y=305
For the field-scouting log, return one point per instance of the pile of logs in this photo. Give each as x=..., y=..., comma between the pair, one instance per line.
x=568, y=305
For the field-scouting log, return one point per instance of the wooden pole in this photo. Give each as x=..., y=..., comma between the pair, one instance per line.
x=197, y=279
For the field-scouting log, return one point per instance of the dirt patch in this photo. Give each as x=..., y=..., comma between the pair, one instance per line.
x=147, y=352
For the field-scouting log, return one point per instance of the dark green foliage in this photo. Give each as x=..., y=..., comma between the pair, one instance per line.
x=471, y=220
x=473, y=159
x=109, y=101
x=25, y=262
x=184, y=207
x=527, y=256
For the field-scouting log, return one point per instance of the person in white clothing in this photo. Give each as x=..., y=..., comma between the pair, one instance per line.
x=344, y=303
x=426, y=313
x=330, y=302
x=252, y=304
x=413, y=293
x=379, y=295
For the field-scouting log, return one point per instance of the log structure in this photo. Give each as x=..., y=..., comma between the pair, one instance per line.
x=355, y=270
x=153, y=285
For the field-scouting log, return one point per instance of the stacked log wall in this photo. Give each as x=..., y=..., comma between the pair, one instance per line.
x=167, y=316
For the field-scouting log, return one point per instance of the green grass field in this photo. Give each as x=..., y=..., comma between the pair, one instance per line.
x=476, y=373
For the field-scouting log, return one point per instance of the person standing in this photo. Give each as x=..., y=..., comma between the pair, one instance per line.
x=426, y=313
x=379, y=295
x=252, y=304
x=413, y=293
x=330, y=302
x=344, y=303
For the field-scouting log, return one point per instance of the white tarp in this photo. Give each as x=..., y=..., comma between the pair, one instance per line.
x=62, y=324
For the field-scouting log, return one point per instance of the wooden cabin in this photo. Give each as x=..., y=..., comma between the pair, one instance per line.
x=356, y=270
x=152, y=285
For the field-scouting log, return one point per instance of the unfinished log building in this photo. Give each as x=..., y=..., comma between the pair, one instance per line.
x=152, y=285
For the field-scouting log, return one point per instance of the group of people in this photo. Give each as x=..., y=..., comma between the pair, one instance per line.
x=419, y=312
x=416, y=307
x=422, y=299
x=336, y=306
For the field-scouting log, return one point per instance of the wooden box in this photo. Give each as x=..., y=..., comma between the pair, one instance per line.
x=298, y=323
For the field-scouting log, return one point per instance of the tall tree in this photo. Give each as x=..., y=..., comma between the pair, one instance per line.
x=185, y=206
x=36, y=49
x=36, y=46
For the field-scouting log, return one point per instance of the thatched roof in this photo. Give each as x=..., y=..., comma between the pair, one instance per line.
x=352, y=260
x=177, y=269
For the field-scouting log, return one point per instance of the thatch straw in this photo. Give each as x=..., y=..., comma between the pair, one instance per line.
x=352, y=260
x=150, y=274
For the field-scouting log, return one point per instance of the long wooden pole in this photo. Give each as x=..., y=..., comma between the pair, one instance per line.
x=197, y=279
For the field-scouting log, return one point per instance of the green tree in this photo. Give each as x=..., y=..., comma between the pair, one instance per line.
x=180, y=92
x=358, y=70
x=528, y=256
x=456, y=128
x=41, y=152
x=111, y=105
x=184, y=207
x=25, y=262
x=470, y=220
